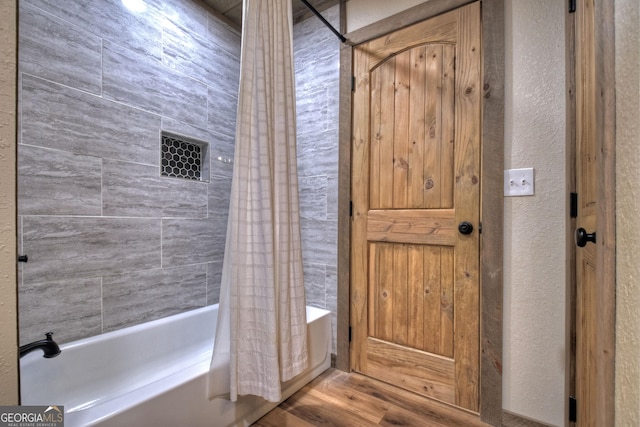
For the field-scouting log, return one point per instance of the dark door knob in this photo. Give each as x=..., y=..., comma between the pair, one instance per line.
x=465, y=227
x=582, y=237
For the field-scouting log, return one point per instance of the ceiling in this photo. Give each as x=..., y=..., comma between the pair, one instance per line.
x=232, y=9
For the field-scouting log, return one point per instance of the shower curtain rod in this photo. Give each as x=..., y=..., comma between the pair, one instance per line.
x=324, y=21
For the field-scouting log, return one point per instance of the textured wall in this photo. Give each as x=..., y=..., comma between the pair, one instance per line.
x=8, y=306
x=364, y=12
x=316, y=61
x=534, y=243
x=627, y=209
x=110, y=242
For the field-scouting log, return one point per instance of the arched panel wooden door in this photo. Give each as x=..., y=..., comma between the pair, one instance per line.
x=415, y=279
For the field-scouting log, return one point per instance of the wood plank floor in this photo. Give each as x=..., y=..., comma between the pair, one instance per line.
x=339, y=399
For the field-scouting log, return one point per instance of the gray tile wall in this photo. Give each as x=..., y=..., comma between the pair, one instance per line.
x=317, y=60
x=110, y=242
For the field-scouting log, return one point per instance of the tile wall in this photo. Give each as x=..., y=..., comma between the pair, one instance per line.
x=317, y=60
x=110, y=242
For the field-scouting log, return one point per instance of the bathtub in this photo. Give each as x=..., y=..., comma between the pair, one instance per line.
x=154, y=374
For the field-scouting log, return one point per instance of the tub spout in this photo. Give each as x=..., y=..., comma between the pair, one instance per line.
x=48, y=345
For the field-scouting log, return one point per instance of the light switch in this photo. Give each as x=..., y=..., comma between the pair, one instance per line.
x=518, y=182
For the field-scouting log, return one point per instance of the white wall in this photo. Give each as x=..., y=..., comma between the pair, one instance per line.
x=535, y=229
x=627, y=209
x=535, y=258
x=361, y=13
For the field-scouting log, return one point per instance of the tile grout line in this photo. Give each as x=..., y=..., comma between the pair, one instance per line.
x=101, y=187
x=161, y=245
x=102, y=304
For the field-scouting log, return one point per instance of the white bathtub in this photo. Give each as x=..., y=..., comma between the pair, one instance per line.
x=154, y=374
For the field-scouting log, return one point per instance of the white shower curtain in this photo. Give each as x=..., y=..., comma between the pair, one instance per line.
x=261, y=333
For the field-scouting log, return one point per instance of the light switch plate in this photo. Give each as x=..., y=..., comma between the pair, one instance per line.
x=518, y=182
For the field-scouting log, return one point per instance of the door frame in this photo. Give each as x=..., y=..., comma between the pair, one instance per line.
x=491, y=207
x=604, y=343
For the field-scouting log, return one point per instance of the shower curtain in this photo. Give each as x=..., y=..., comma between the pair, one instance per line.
x=261, y=333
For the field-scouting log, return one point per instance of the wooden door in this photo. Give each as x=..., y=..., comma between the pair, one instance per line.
x=595, y=261
x=416, y=177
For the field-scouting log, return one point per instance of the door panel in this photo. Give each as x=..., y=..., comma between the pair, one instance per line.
x=411, y=302
x=424, y=87
x=415, y=177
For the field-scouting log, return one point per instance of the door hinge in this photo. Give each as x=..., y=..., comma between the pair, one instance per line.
x=573, y=409
x=573, y=205
x=353, y=83
x=349, y=333
x=350, y=208
x=572, y=6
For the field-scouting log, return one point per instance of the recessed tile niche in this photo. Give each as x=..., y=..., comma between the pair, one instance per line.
x=184, y=158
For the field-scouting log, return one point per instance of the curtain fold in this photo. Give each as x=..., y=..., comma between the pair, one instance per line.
x=261, y=332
